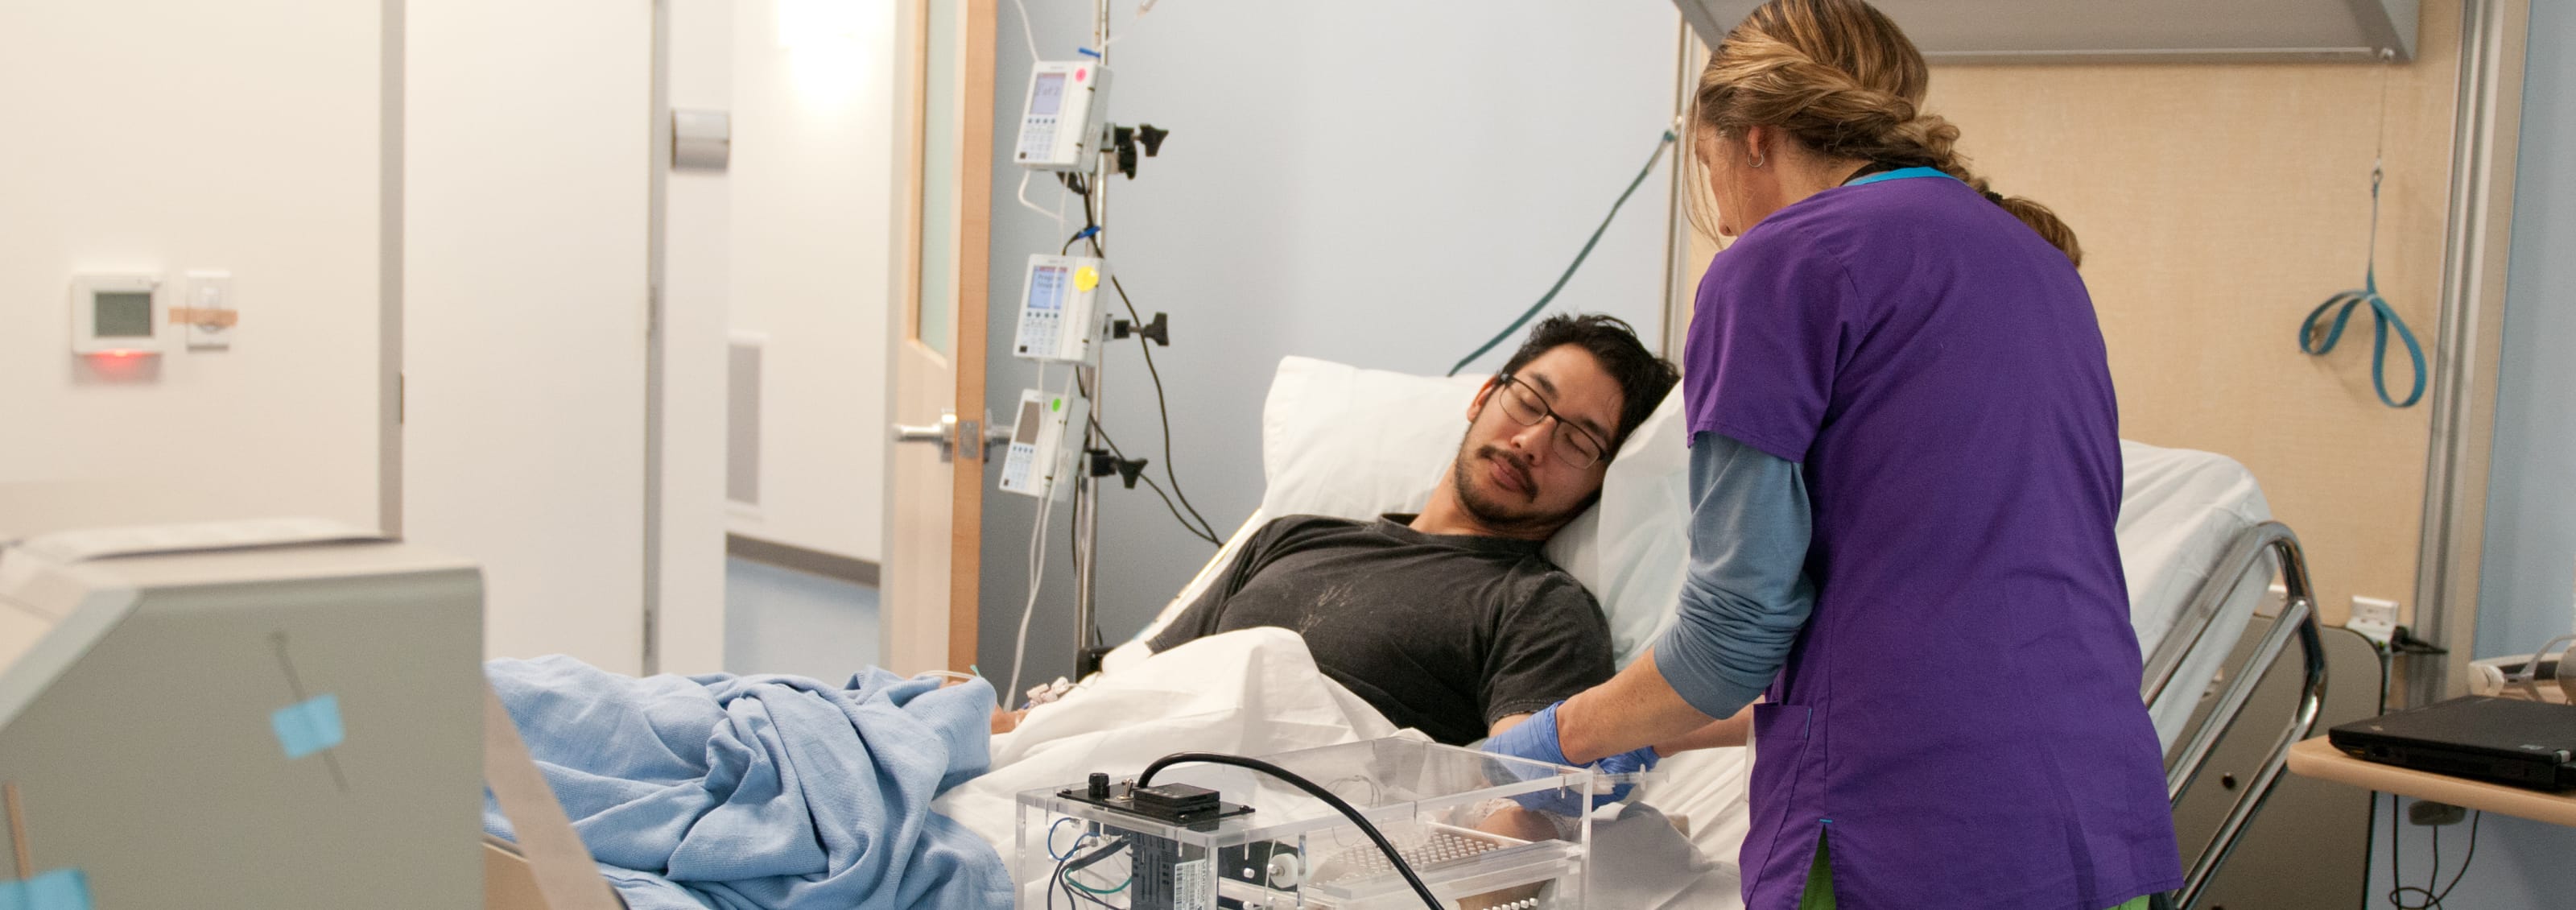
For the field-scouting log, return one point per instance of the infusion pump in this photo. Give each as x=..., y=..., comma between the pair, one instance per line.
x=1061, y=127
x=1059, y=311
x=1040, y=462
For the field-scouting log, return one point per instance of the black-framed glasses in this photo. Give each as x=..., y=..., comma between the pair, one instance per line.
x=1527, y=407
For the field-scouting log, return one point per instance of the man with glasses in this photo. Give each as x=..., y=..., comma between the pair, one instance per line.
x=1452, y=621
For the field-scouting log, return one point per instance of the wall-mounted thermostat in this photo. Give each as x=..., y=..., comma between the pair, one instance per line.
x=1060, y=127
x=1058, y=308
x=117, y=315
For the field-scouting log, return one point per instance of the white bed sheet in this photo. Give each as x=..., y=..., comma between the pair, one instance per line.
x=2180, y=511
x=1257, y=692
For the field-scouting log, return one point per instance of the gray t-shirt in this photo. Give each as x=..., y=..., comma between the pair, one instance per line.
x=1444, y=634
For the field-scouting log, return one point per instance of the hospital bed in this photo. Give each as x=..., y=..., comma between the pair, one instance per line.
x=2194, y=532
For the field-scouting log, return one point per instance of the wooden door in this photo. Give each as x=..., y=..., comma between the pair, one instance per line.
x=935, y=475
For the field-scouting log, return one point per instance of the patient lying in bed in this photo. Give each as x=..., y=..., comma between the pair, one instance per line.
x=1451, y=621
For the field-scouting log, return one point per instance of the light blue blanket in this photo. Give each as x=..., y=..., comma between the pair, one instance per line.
x=761, y=792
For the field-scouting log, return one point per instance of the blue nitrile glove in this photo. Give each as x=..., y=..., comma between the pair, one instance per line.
x=1536, y=739
x=1533, y=739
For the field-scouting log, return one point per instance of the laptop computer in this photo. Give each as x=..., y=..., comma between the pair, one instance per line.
x=2504, y=740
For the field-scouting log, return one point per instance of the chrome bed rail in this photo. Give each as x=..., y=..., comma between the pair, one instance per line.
x=2298, y=618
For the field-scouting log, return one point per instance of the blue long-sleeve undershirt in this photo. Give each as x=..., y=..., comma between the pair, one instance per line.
x=1747, y=592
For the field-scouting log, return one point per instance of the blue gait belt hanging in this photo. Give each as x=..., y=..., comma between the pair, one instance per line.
x=2317, y=338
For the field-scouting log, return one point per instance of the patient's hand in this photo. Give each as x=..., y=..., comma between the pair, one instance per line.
x=1510, y=820
x=1007, y=721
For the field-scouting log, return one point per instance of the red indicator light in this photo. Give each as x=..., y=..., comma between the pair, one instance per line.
x=1079, y=72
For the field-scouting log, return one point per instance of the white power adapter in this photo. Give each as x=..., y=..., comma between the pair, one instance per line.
x=2374, y=618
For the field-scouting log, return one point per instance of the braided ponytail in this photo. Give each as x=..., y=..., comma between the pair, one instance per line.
x=1842, y=79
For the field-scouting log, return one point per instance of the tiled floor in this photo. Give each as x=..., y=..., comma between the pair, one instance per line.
x=785, y=621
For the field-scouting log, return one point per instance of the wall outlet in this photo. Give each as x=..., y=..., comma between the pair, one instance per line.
x=2374, y=618
x=211, y=310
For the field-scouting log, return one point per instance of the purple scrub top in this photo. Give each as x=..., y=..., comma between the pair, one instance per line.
x=1959, y=720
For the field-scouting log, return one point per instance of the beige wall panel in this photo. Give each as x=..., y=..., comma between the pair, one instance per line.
x=2216, y=207
x=2217, y=204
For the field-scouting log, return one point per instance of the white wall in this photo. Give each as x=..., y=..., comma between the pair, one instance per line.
x=1385, y=184
x=526, y=176
x=814, y=127
x=696, y=274
x=160, y=137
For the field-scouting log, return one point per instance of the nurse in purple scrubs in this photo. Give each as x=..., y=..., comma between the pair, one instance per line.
x=1905, y=468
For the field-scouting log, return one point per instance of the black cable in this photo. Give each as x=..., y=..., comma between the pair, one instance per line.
x=1586, y=253
x=1393, y=857
x=1162, y=402
x=2474, y=822
x=1203, y=530
x=1070, y=864
x=1199, y=531
x=2434, y=879
x=1055, y=882
x=2396, y=853
x=2399, y=891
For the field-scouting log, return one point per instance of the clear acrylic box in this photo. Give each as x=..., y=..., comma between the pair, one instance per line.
x=1484, y=832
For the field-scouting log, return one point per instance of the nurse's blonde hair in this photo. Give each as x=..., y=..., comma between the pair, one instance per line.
x=1840, y=78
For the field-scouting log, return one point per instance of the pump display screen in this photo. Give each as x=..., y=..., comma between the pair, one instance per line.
x=124, y=314
x=1049, y=97
x=1046, y=288
x=1026, y=433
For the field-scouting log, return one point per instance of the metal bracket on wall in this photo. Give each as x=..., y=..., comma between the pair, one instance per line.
x=701, y=140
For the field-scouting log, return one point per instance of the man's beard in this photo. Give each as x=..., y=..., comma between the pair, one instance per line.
x=1490, y=512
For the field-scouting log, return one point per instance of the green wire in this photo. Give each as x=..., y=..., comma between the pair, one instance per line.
x=1122, y=885
x=1578, y=257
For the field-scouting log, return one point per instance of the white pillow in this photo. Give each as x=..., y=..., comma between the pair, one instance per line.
x=1351, y=443
x=1348, y=442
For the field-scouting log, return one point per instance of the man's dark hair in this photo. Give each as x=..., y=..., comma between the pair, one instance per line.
x=1643, y=378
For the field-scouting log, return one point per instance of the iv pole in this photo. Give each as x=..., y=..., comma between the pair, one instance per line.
x=1086, y=491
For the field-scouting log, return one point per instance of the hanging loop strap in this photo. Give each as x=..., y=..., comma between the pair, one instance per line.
x=2316, y=338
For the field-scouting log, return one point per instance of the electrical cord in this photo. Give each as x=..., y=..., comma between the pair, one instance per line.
x=1586, y=253
x=1197, y=531
x=2398, y=890
x=1162, y=401
x=1393, y=857
x=1050, y=839
x=1202, y=529
x=2475, y=821
x=1115, y=847
x=1068, y=864
x=1162, y=409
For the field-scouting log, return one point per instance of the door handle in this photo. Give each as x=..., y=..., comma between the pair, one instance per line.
x=948, y=433
x=944, y=433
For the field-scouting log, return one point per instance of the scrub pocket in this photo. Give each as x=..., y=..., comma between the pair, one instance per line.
x=1780, y=759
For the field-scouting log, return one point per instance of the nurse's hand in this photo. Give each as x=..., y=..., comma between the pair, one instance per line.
x=1536, y=739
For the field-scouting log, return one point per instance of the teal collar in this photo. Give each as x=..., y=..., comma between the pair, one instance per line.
x=1903, y=173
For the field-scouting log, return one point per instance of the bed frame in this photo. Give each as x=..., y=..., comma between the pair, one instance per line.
x=2297, y=620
